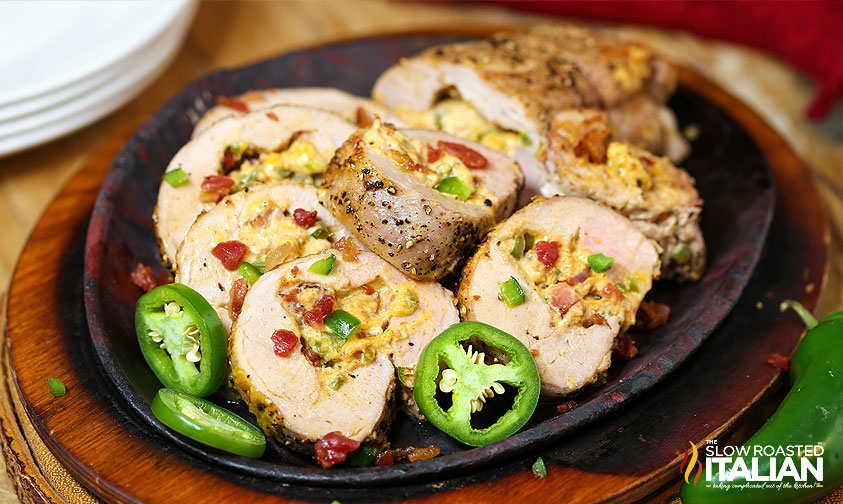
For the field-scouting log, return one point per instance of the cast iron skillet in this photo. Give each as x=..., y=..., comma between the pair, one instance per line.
x=731, y=175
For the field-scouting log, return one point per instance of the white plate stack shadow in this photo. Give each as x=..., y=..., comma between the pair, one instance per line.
x=66, y=64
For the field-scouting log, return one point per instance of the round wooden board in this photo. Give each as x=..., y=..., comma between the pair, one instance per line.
x=622, y=457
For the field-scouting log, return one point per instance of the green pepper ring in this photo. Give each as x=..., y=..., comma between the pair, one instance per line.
x=212, y=339
x=207, y=423
x=520, y=372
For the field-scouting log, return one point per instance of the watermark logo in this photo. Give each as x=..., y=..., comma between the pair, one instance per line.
x=758, y=466
x=687, y=466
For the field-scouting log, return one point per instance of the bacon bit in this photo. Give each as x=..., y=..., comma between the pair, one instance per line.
x=597, y=319
x=295, y=270
x=433, y=154
x=333, y=448
x=364, y=118
x=470, y=157
x=534, y=353
x=233, y=103
x=563, y=297
x=238, y=293
x=304, y=218
x=779, y=361
x=215, y=187
x=566, y=406
x=595, y=144
x=142, y=277
x=612, y=292
x=230, y=254
x=579, y=149
x=312, y=356
x=384, y=458
x=651, y=315
x=347, y=248
x=314, y=319
x=416, y=454
x=229, y=160
x=326, y=304
x=625, y=348
x=580, y=277
x=368, y=289
x=272, y=116
x=646, y=161
x=547, y=252
x=283, y=342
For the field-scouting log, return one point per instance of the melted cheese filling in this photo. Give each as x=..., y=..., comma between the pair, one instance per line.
x=300, y=160
x=384, y=311
x=266, y=224
x=411, y=155
x=597, y=293
x=459, y=118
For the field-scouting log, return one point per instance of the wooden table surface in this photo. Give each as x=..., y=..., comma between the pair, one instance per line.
x=230, y=34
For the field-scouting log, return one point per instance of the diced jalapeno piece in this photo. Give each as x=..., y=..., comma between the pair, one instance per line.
x=320, y=231
x=323, y=266
x=342, y=323
x=680, y=254
x=57, y=387
x=539, y=469
x=455, y=186
x=363, y=456
x=175, y=177
x=600, y=263
x=518, y=247
x=249, y=271
x=512, y=293
x=630, y=285
x=529, y=241
x=525, y=138
x=238, y=147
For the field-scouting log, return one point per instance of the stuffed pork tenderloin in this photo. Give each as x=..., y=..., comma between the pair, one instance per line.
x=564, y=275
x=320, y=340
x=658, y=197
x=419, y=199
x=355, y=109
x=250, y=232
x=503, y=90
x=280, y=142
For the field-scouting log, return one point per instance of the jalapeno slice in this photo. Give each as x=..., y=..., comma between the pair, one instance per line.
x=182, y=339
x=450, y=365
x=207, y=423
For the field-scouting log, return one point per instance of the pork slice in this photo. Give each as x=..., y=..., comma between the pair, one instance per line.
x=178, y=207
x=568, y=355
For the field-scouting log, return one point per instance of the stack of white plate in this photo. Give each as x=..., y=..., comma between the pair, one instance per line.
x=65, y=64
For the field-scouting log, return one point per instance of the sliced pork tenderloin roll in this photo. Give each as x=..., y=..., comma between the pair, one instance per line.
x=358, y=110
x=657, y=196
x=565, y=276
x=503, y=90
x=264, y=225
x=419, y=199
x=316, y=346
x=285, y=141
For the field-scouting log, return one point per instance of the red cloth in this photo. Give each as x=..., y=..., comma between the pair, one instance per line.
x=807, y=34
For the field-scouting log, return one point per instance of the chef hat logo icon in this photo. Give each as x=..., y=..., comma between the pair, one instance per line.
x=687, y=466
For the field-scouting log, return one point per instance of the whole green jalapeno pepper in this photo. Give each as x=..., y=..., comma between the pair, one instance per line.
x=451, y=364
x=810, y=415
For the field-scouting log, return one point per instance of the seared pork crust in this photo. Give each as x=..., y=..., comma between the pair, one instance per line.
x=530, y=74
x=353, y=108
x=422, y=232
